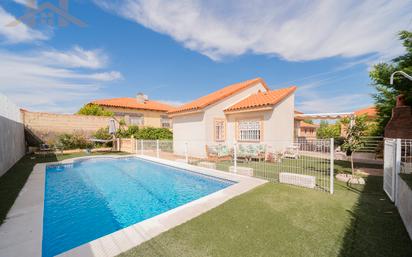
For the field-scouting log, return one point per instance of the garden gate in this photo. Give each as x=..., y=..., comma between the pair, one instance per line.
x=389, y=168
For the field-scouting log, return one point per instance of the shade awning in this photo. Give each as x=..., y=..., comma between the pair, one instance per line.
x=325, y=116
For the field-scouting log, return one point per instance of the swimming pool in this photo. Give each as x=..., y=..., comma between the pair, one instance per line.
x=91, y=198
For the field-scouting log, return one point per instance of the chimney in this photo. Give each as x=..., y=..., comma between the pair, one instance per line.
x=141, y=98
x=400, y=125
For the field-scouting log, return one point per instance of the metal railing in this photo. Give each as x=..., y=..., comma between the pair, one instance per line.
x=406, y=156
x=307, y=164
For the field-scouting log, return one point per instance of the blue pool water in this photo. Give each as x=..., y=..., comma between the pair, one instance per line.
x=96, y=197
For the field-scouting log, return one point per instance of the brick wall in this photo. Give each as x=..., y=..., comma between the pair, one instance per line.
x=400, y=125
x=48, y=125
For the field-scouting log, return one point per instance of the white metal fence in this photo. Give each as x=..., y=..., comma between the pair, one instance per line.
x=397, y=160
x=308, y=164
x=406, y=156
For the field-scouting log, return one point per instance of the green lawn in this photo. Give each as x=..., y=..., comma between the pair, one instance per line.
x=13, y=181
x=282, y=220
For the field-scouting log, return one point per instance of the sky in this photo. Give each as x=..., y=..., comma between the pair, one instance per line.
x=177, y=51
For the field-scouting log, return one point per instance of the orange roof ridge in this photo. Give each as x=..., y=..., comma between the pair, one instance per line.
x=132, y=103
x=369, y=111
x=261, y=99
x=308, y=125
x=218, y=95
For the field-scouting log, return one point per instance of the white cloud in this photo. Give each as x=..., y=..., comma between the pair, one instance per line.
x=294, y=30
x=28, y=3
x=76, y=58
x=17, y=34
x=340, y=103
x=40, y=85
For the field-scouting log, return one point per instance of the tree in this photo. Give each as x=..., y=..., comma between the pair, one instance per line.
x=94, y=110
x=327, y=130
x=385, y=98
x=353, y=141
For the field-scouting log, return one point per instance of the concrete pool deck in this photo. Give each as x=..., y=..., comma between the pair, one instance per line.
x=21, y=233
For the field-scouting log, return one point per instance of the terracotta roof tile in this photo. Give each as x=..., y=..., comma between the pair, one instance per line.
x=262, y=99
x=216, y=96
x=308, y=125
x=370, y=112
x=132, y=103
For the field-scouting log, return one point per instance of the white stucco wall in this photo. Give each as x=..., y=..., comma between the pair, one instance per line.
x=404, y=204
x=216, y=111
x=198, y=129
x=278, y=124
x=189, y=129
x=12, y=144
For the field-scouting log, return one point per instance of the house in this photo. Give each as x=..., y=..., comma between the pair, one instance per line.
x=370, y=113
x=306, y=131
x=138, y=111
x=245, y=112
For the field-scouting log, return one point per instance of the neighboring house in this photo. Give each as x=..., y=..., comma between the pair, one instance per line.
x=371, y=115
x=306, y=131
x=138, y=111
x=370, y=112
x=245, y=112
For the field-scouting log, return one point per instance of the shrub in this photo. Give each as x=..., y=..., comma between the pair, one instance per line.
x=94, y=110
x=148, y=133
x=103, y=134
x=155, y=133
x=126, y=133
x=73, y=141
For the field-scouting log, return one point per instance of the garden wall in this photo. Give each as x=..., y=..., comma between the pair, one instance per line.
x=404, y=204
x=126, y=145
x=47, y=126
x=12, y=143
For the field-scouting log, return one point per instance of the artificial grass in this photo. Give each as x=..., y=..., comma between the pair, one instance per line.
x=272, y=220
x=282, y=220
x=14, y=179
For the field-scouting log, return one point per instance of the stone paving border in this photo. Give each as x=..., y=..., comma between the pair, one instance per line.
x=21, y=234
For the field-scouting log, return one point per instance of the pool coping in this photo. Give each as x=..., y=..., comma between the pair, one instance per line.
x=22, y=232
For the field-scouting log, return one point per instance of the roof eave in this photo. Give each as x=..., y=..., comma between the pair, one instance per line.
x=186, y=112
x=254, y=109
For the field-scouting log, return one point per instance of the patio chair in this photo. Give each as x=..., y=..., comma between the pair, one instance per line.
x=257, y=151
x=242, y=152
x=292, y=151
x=45, y=150
x=217, y=152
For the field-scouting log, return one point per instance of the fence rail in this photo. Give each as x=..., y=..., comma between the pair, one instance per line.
x=406, y=156
x=308, y=164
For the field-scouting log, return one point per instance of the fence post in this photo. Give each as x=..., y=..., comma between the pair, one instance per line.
x=186, y=153
x=332, y=159
x=157, y=149
x=118, y=144
x=235, y=157
x=141, y=146
x=135, y=146
x=398, y=156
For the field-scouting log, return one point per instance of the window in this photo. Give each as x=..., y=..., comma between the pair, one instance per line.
x=220, y=130
x=165, y=121
x=137, y=120
x=249, y=130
